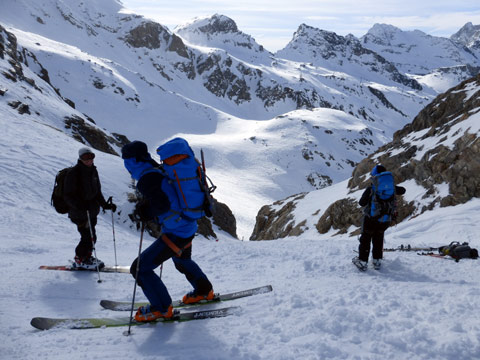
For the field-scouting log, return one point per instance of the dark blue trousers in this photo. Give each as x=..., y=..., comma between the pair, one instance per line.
x=372, y=233
x=157, y=253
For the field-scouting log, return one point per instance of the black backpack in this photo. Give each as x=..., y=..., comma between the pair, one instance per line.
x=58, y=202
x=458, y=251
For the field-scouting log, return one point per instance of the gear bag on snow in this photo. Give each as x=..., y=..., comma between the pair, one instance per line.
x=58, y=201
x=458, y=251
x=383, y=205
x=186, y=175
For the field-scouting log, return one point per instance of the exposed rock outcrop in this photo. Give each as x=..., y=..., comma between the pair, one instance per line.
x=277, y=221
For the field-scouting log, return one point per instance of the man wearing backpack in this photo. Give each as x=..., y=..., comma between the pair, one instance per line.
x=379, y=202
x=83, y=195
x=160, y=203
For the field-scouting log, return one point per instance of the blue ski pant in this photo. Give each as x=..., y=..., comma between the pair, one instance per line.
x=157, y=253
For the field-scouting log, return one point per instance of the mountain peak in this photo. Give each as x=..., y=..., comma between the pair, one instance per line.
x=219, y=31
x=215, y=24
x=316, y=37
x=468, y=35
x=383, y=34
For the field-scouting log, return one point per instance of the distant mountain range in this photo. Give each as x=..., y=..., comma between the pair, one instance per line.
x=310, y=112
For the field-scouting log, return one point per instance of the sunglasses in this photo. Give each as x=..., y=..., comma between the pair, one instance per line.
x=87, y=156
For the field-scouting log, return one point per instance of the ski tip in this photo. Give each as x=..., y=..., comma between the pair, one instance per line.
x=35, y=323
x=263, y=289
x=41, y=323
x=106, y=304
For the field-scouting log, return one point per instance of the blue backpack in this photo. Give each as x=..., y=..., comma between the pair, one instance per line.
x=383, y=204
x=191, y=196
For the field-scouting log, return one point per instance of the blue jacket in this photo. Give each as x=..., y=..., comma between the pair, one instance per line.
x=161, y=197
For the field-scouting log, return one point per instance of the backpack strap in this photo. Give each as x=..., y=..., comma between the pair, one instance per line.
x=175, y=159
x=178, y=252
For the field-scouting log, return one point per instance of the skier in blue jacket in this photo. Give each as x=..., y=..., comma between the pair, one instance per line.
x=174, y=242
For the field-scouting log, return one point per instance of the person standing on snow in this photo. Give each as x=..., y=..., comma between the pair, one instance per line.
x=83, y=194
x=375, y=224
x=174, y=242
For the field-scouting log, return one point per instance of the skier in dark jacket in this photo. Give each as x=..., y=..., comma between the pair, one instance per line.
x=174, y=242
x=83, y=194
x=372, y=229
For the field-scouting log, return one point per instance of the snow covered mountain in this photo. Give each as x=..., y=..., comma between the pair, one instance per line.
x=299, y=119
x=436, y=157
x=84, y=72
x=221, y=32
x=469, y=35
x=436, y=62
x=344, y=54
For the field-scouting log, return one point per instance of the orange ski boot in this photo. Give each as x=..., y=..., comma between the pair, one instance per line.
x=149, y=313
x=193, y=297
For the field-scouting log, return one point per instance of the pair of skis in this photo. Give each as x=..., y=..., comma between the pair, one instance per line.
x=364, y=267
x=180, y=315
x=109, y=269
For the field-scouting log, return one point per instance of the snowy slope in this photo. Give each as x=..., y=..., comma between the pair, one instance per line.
x=322, y=307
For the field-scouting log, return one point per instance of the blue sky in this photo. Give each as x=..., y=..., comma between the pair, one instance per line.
x=273, y=22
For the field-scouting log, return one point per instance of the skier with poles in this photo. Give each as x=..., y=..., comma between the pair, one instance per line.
x=161, y=203
x=83, y=194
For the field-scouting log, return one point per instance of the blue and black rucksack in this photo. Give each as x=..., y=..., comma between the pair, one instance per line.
x=383, y=203
x=191, y=198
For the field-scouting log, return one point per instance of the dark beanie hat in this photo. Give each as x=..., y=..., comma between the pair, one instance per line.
x=137, y=150
x=377, y=170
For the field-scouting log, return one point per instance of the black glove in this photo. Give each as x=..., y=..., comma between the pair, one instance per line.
x=109, y=205
x=141, y=212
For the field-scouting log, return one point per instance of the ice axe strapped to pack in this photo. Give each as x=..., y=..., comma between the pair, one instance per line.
x=187, y=176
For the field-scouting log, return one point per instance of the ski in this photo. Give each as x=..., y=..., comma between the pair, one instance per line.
x=110, y=269
x=127, y=305
x=359, y=265
x=411, y=248
x=43, y=323
x=431, y=254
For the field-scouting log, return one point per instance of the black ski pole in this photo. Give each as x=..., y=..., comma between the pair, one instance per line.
x=93, y=245
x=128, y=332
x=110, y=201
